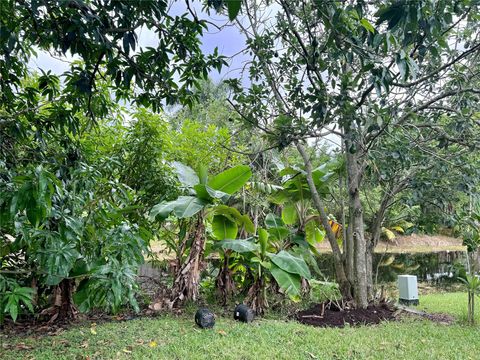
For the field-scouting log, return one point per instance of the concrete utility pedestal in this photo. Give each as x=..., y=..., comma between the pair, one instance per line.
x=408, y=290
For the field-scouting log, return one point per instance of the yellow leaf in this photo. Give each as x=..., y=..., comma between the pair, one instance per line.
x=93, y=331
x=388, y=261
x=222, y=332
x=389, y=234
x=398, y=229
x=152, y=344
x=126, y=351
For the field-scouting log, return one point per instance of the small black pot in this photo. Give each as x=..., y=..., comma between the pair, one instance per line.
x=205, y=318
x=243, y=313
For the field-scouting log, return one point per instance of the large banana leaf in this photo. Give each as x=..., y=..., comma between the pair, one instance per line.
x=289, y=214
x=291, y=264
x=263, y=240
x=186, y=175
x=288, y=282
x=206, y=193
x=275, y=227
x=231, y=180
x=272, y=221
x=183, y=207
x=238, y=245
x=314, y=233
x=224, y=228
x=235, y=215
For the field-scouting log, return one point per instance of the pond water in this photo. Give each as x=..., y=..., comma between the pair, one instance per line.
x=437, y=266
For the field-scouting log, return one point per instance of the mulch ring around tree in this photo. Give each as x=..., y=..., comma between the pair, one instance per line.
x=330, y=314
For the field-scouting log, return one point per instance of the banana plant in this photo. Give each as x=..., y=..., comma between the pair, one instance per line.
x=226, y=223
x=206, y=199
x=295, y=199
x=263, y=259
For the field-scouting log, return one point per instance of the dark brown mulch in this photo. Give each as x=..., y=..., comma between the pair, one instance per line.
x=330, y=315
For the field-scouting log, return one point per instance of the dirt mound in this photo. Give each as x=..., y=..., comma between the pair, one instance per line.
x=329, y=315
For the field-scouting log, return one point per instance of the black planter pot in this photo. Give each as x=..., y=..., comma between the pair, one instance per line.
x=243, y=313
x=205, y=318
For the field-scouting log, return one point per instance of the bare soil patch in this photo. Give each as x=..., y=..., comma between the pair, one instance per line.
x=330, y=315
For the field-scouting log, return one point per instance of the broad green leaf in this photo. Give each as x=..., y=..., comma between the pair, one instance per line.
x=224, y=228
x=248, y=224
x=313, y=233
x=275, y=227
x=279, y=234
x=186, y=175
x=273, y=221
x=206, y=193
x=162, y=210
x=291, y=170
x=233, y=7
x=288, y=282
x=187, y=206
x=13, y=310
x=263, y=240
x=366, y=24
x=289, y=214
x=235, y=215
x=203, y=174
x=183, y=207
x=292, y=264
x=217, y=194
x=238, y=245
x=231, y=180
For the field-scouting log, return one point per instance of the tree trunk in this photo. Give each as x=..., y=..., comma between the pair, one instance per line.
x=62, y=308
x=185, y=286
x=376, y=229
x=369, y=269
x=348, y=250
x=66, y=309
x=354, y=170
x=350, y=253
x=376, y=232
x=341, y=276
x=224, y=282
x=257, y=296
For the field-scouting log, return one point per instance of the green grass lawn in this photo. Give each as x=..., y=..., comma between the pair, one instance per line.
x=170, y=337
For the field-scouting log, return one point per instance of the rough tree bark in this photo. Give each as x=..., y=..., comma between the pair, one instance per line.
x=354, y=170
x=185, y=286
x=62, y=308
x=257, y=296
x=224, y=282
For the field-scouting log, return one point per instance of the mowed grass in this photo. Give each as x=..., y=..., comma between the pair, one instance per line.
x=170, y=337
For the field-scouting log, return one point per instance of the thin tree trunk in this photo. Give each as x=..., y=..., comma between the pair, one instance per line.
x=62, y=308
x=376, y=230
x=224, y=282
x=356, y=222
x=369, y=269
x=350, y=254
x=185, y=286
x=319, y=205
x=347, y=245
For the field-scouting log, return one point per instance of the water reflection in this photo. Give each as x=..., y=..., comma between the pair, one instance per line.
x=437, y=266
